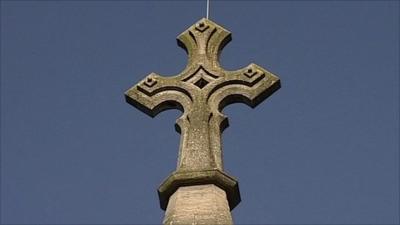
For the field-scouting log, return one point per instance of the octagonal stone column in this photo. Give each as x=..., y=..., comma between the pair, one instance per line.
x=198, y=205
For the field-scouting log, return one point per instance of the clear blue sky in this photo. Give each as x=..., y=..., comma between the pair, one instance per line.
x=324, y=149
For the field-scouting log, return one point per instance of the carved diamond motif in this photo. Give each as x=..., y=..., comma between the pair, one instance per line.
x=201, y=26
x=250, y=73
x=201, y=83
x=201, y=78
x=150, y=82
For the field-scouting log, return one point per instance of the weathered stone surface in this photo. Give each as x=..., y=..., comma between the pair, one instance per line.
x=201, y=204
x=201, y=91
x=189, y=178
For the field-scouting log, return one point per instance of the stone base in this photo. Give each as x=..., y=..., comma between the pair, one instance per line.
x=198, y=205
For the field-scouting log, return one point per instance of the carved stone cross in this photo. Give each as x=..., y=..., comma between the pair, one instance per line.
x=201, y=91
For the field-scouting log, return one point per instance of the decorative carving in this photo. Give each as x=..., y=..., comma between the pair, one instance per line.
x=150, y=82
x=201, y=78
x=201, y=91
x=201, y=26
x=250, y=73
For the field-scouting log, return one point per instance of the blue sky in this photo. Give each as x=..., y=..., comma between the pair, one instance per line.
x=324, y=149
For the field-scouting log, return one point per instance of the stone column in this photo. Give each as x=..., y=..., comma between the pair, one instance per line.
x=198, y=205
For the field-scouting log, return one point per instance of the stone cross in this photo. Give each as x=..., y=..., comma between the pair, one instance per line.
x=201, y=91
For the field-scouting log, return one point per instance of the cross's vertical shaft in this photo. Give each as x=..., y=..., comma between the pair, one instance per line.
x=199, y=191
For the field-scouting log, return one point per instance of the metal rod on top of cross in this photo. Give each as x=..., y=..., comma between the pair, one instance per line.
x=208, y=9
